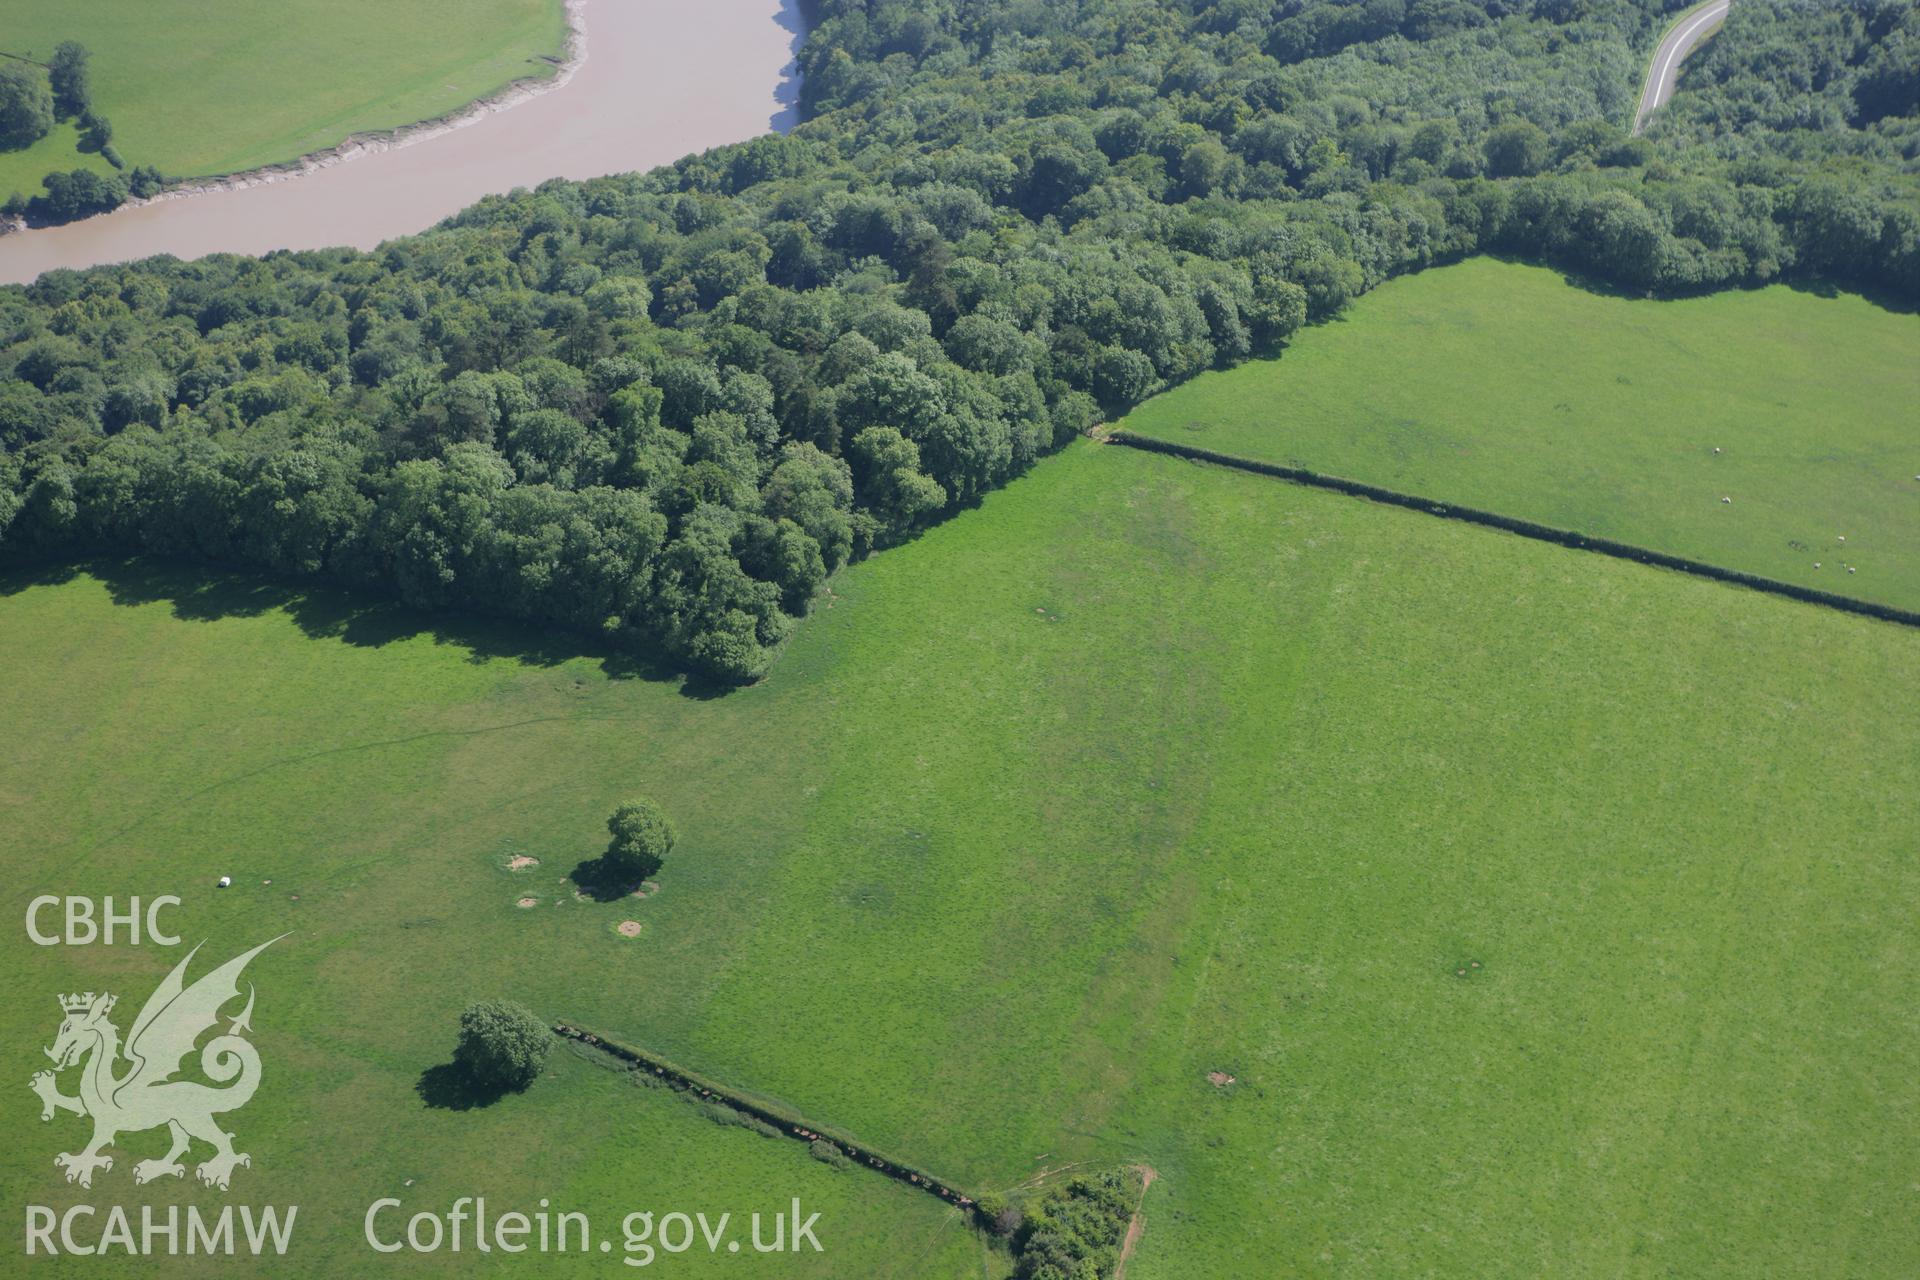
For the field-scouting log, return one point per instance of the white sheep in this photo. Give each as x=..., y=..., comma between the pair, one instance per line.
x=1728, y=501
x=226, y=882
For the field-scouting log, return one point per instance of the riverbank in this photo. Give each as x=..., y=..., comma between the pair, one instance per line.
x=203, y=92
x=662, y=81
x=377, y=141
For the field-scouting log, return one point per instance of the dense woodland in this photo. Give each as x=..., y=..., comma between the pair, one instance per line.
x=664, y=407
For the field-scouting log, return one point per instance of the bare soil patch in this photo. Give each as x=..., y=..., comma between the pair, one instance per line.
x=628, y=928
x=1139, y=1223
x=521, y=861
x=1219, y=1079
x=527, y=902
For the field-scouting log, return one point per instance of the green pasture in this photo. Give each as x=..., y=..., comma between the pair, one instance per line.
x=1503, y=387
x=22, y=169
x=271, y=82
x=1552, y=914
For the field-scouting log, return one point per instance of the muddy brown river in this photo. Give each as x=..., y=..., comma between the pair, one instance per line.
x=661, y=79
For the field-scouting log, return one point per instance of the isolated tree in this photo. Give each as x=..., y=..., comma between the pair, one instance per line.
x=642, y=837
x=72, y=85
x=503, y=1044
x=26, y=106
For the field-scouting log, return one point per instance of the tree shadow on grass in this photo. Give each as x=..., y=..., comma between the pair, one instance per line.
x=451, y=1087
x=606, y=880
x=1880, y=296
x=199, y=593
x=1573, y=276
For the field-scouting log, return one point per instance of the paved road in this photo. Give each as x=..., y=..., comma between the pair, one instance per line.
x=1696, y=26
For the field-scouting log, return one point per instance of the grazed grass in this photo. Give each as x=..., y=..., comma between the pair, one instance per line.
x=268, y=83
x=1500, y=386
x=22, y=169
x=1140, y=771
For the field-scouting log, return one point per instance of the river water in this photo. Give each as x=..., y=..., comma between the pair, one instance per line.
x=662, y=79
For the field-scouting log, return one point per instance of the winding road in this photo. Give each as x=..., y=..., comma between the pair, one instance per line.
x=662, y=78
x=1694, y=26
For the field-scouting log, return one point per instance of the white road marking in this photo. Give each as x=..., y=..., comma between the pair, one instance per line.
x=1676, y=46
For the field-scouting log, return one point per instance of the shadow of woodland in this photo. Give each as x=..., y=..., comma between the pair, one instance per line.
x=200, y=593
x=1885, y=299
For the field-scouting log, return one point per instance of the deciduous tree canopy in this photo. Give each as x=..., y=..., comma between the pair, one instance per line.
x=26, y=105
x=662, y=407
x=502, y=1045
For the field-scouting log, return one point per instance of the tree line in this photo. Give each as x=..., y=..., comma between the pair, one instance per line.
x=662, y=408
x=31, y=101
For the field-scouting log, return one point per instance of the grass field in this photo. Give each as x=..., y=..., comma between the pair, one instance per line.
x=22, y=170
x=277, y=81
x=1140, y=771
x=1500, y=386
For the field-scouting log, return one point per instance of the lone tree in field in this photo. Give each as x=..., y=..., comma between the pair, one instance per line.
x=502, y=1044
x=642, y=838
x=26, y=106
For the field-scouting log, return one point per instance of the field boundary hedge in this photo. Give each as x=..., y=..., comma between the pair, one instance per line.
x=790, y=1123
x=1525, y=528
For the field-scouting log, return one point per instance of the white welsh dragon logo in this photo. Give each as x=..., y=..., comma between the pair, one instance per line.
x=145, y=1095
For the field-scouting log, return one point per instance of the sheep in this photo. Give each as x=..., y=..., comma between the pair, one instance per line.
x=226, y=882
x=1728, y=501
